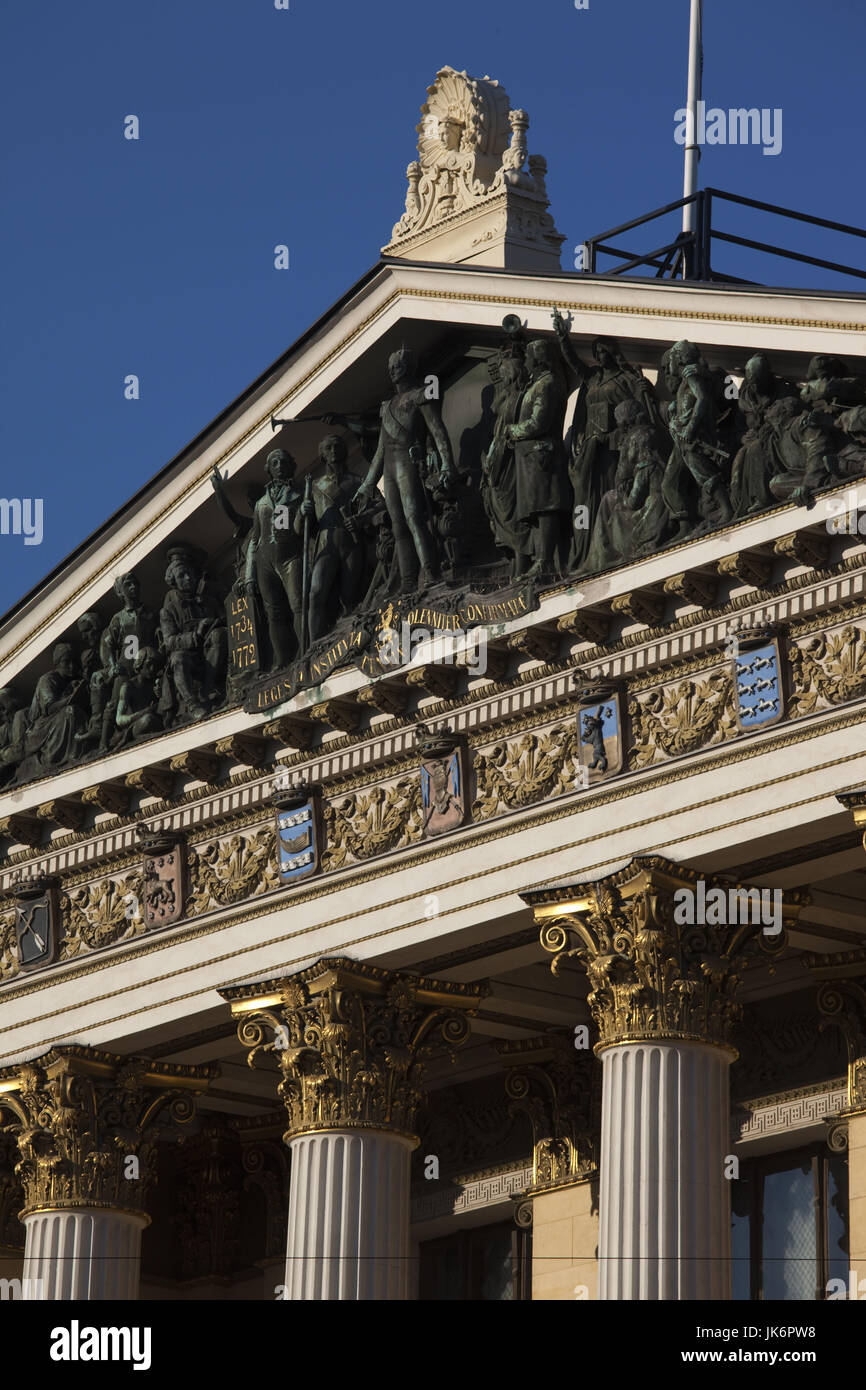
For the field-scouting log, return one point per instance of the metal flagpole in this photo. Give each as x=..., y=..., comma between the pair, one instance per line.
x=692, y=148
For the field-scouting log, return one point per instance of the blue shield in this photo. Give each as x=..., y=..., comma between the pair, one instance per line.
x=600, y=737
x=297, y=841
x=757, y=674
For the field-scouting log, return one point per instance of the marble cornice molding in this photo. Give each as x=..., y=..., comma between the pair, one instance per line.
x=203, y=808
x=654, y=778
x=261, y=909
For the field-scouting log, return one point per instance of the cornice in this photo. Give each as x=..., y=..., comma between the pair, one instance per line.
x=826, y=614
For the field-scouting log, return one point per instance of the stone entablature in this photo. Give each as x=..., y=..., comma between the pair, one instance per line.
x=524, y=748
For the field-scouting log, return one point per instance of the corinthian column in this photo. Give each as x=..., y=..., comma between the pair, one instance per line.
x=352, y=1041
x=661, y=996
x=86, y=1124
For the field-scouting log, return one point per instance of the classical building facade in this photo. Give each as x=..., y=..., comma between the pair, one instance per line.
x=431, y=813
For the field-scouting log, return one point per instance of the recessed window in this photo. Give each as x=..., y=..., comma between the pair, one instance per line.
x=487, y=1263
x=789, y=1225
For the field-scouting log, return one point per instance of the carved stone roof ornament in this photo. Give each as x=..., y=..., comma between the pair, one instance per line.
x=474, y=194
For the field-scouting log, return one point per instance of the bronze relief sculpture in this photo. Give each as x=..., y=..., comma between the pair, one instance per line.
x=518, y=503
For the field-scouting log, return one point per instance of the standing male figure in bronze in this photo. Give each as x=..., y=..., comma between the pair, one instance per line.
x=406, y=420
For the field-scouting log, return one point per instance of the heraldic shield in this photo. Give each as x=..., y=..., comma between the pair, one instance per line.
x=443, y=780
x=36, y=924
x=599, y=722
x=757, y=676
x=297, y=838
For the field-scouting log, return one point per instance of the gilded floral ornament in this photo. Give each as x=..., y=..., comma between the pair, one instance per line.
x=518, y=772
x=352, y=1041
x=681, y=718
x=227, y=871
x=828, y=669
x=79, y=1114
x=653, y=975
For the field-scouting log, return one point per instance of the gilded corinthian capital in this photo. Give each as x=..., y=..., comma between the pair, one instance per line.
x=661, y=945
x=556, y=1087
x=79, y=1115
x=842, y=1005
x=351, y=1040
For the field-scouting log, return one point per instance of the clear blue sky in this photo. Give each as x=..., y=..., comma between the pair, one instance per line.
x=261, y=126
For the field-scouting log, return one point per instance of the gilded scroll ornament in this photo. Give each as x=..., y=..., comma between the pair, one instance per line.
x=842, y=1004
x=79, y=1115
x=557, y=1089
x=652, y=975
x=352, y=1041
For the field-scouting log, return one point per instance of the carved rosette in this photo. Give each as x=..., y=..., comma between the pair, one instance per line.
x=79, y=1115
x=554, y=1086
x=652, y=977
x=352, y=1041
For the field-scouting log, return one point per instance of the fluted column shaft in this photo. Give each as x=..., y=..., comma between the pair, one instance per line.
x=664, y=1209
x=82, y=1253
x=348, y=1232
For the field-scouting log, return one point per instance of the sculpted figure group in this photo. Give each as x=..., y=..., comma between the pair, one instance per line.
x=636, y=467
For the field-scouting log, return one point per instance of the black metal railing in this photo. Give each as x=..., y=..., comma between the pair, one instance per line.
x=689, y=255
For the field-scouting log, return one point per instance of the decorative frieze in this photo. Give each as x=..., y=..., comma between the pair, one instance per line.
x=386, y=818
x=829, y=668
x=517, y=772
x=102, y=913
x=783, y=1116
x=455, y=1199
x=226, y=871
x=682, y=716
